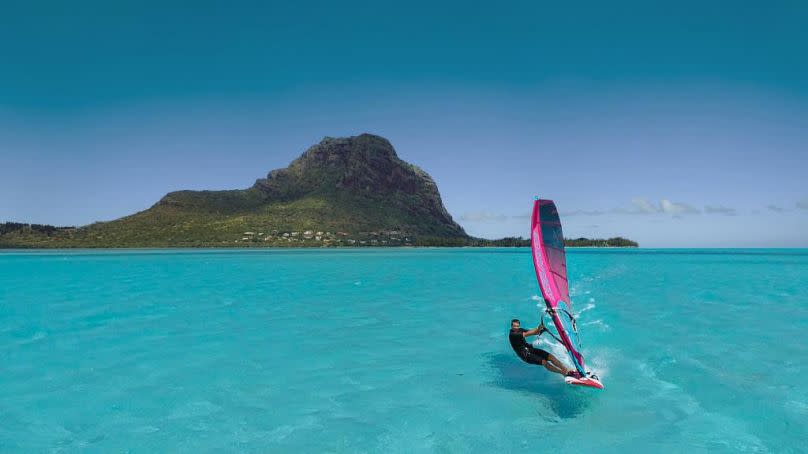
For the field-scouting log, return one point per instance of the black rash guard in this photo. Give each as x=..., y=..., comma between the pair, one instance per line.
x=517, y=339
x=525, y=351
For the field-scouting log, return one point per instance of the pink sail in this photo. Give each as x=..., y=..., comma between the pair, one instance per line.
x=547, y=240
x=549, y=259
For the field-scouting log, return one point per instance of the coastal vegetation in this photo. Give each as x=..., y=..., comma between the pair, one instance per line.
x=19, y=235
x=610, y=242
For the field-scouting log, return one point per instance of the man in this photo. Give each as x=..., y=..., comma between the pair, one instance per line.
x=532, y=355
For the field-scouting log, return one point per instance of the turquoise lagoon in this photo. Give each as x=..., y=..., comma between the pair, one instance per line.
x=397, y=350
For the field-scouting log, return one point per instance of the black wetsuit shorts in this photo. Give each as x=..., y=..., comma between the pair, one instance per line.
x=534, y=355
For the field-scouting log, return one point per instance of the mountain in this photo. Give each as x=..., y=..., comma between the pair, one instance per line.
x=341, y=191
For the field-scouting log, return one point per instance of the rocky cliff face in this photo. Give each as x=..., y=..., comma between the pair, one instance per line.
x=367, y=169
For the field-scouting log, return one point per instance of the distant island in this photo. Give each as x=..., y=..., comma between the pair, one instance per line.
x=342, y=192
x=576, y=242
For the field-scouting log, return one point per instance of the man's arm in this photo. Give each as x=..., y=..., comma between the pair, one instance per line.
x=535, y=331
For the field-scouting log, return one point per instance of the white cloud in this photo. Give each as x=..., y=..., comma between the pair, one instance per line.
x=720, y=210
x=640, y=205
x=643, y=206
x=482, y=216
x=677, y=209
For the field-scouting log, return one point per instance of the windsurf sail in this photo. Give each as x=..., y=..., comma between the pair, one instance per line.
x=549, y=259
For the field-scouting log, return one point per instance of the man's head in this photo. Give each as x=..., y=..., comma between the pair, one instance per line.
x=515, y=324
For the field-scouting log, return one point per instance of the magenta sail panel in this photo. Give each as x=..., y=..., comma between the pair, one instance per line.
x=547, y=241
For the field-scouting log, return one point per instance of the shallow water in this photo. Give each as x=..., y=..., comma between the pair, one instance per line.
x=397, y=351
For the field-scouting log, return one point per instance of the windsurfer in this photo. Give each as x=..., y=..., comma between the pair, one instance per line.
x=533, y=355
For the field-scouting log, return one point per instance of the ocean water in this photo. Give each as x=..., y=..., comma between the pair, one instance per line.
x=397, y=351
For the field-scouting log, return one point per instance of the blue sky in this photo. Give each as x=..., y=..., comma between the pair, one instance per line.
x=683, y=124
